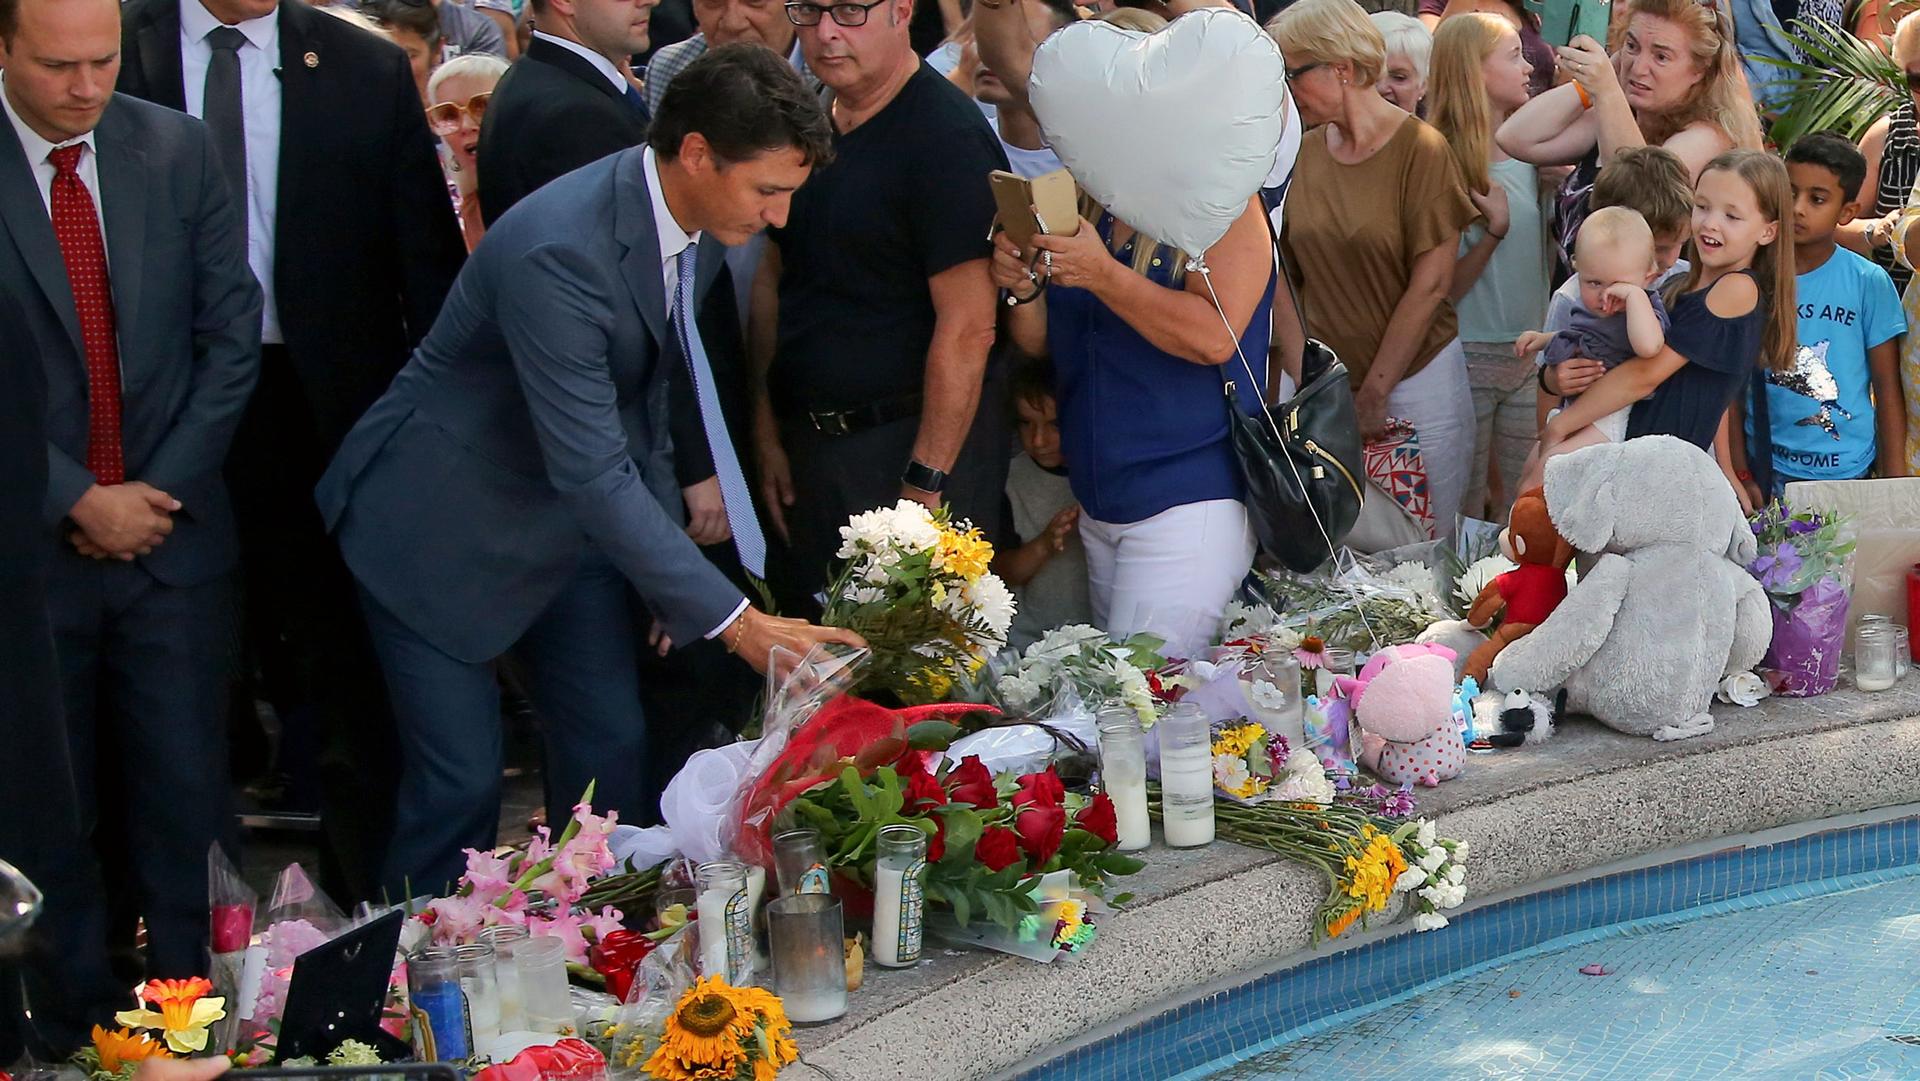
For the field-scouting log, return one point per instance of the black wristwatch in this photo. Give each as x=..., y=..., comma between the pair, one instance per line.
x=923, y=477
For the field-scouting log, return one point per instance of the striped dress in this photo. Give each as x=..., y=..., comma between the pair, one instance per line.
x=1899, y=167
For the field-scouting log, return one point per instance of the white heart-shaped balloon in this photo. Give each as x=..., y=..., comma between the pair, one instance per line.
x=1171, y=131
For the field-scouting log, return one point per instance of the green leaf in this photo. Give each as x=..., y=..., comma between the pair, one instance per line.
x=933, y=735
x=1117, y=863
x=856, y=790
x=1123, y=899
x=887, y=799
x=963, y=832
x=1844, y=85
x=962, y=907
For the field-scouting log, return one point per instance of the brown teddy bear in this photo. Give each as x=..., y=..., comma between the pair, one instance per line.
x=1530, y=592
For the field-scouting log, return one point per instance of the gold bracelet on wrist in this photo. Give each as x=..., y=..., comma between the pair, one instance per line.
x=735, y=631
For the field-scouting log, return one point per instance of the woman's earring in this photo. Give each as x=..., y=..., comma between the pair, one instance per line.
x=455, y=162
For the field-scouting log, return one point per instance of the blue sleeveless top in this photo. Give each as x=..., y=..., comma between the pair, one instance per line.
x=1142, y=430
x=1721, y=357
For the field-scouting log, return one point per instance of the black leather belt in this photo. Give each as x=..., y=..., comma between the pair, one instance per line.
x=872, y=415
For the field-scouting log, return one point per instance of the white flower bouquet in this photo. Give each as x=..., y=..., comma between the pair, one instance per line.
x=916, y=586
x=1099, y=670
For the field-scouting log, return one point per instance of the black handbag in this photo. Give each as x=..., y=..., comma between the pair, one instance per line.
x=1301, y=459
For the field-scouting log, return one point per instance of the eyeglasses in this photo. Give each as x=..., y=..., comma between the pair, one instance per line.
x=444, y=118
x=800, y=14
x=1295, y=73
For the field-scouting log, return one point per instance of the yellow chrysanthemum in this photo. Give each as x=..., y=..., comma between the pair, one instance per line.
x=1373, y=871
x=119, y=1047
x=1238, y=740
x=966, y=554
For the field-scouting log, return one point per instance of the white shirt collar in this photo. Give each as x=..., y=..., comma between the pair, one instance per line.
x=37, y=148
x=673, y=239
x=601, y=64
x=196, y=22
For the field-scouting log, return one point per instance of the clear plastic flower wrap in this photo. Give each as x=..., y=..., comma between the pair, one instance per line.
x=1362, y=603
x=1065, y=725
x=298, y=917
x=1805, y=565
x=231, y=905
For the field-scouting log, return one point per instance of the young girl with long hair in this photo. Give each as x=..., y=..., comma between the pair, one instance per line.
x=1478, y=77
x=1732, y=315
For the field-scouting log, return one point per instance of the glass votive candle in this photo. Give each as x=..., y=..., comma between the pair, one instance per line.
x=506, y=942
x=800, y=862
x=1874, y=668
x=898, y=904
x=542, y=964
x=433, y=988
x=806, y=938
x=1902, y=650
x=726, y=928
x=480, y=979
x=1123, y=775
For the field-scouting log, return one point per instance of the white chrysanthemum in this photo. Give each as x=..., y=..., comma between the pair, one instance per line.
x=1242, y=620
x=1428, y=921
x=993, y=602
x=1475, y=578
x=1415, y=578
x=1425, y=835
x=1306, y=779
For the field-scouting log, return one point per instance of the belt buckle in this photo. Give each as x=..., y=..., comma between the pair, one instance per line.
x=830, y=423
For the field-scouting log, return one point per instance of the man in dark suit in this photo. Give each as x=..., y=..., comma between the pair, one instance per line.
x=570, y=99
x=149, y=337
x=350, y=233
x=516, y=480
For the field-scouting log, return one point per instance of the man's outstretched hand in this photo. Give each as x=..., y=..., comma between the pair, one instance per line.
x=755, y=635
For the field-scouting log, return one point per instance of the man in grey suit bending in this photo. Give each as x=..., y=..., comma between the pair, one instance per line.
x=518, y=472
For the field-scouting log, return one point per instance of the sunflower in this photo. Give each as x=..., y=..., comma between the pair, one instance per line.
x=184, y=1014
x=121, y=1047
x=706, y=1034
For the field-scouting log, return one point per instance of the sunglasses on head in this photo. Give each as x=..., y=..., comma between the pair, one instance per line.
x=444, y=118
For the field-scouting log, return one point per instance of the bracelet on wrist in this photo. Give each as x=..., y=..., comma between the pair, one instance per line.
x=735, y=631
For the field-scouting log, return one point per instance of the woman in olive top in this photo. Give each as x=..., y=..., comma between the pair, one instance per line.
x=1372, y=231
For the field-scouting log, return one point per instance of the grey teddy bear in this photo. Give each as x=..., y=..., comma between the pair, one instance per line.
x=1667, y=612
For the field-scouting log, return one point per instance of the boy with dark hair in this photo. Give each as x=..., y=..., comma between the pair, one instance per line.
x=1654, y=183
x=1043, y=560
x=1839, y=410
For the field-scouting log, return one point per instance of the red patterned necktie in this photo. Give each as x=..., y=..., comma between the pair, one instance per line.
x=76, y=224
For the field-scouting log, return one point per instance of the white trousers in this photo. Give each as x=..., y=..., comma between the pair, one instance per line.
x=1437, y=401
x=1170, y=575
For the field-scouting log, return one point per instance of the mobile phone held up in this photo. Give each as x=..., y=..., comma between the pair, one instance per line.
x=1563, y=20
x=1016, y=199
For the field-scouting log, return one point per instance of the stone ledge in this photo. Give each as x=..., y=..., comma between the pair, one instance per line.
x=1201, y=917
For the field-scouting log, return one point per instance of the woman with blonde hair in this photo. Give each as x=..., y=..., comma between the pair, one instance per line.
x=1479, y=77
x=457, y=96
x=1674, y=80
x=1371, y=236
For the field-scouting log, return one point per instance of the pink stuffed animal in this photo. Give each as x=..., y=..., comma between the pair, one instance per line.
x=1403, y=704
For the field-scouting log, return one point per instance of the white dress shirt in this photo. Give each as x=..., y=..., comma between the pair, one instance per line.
x=39, y=153
x=673, y=241
x=600, y=63
x=260, y=98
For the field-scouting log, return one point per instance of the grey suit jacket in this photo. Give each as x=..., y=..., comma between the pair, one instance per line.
x=530, y=424
x=186, y=308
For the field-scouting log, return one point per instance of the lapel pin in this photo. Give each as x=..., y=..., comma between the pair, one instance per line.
x=312, y=60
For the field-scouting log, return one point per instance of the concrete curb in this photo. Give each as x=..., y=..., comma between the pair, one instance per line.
x=1589, y=798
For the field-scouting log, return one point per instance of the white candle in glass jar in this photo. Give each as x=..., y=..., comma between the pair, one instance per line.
x=898, y=904
x=1186, y=777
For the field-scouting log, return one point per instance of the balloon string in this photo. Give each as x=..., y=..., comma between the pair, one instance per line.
x=1206, y=276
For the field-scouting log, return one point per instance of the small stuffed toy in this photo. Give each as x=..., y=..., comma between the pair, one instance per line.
x=1529, y=593
x=1516, y=718
x=1403, y=705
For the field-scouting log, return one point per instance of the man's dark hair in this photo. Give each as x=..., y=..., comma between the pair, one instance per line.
x=744, y=99
x=1831, y=151
x=1032, y=380
x=416, y=16
x=9, y=19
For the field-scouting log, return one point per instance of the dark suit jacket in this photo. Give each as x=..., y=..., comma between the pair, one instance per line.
x=529, y=425
x=551, y=113
x=187, y=310
x=365, y=240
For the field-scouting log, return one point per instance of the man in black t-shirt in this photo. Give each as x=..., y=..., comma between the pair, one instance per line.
x=873, y=312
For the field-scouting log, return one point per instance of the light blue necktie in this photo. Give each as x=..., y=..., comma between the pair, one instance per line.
x=747, y=538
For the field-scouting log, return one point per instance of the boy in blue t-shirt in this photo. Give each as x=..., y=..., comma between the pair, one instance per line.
x=1822, y=412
